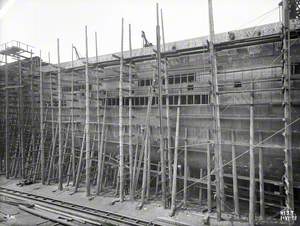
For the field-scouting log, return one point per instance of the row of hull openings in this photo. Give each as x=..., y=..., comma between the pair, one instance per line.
x=143, y=100
x=173, y=100
x=172, y=79
x=188, y=79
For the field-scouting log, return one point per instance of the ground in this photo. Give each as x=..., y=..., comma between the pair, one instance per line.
x=152, y=211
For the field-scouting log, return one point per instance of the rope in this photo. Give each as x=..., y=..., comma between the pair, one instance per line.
x=242, y=154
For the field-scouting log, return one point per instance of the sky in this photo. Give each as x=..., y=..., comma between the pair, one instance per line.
x=40, y=22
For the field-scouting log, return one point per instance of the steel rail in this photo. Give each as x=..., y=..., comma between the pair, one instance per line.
x=103, y=215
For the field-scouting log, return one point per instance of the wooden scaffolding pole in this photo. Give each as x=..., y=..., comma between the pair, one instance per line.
x=261, y=179
x=32, y=117
x=42, y=153
x=169, y=143
x=234, y=176
x=148, y=166
x=87, y=119
x=104, y=153
x=21, y=119
x=185, y=167
x=134, y=183
x=200, y=186
x=101, y=154
x=66, y=142
x=149, y=105
x=157, y=178
x=217, y=125
x=53, y=132
x=288, y=161
x=121, y=162
x=52, y=155
x=252, y=200
x=7, y=157
x=80, y=161
x=208, y=173
x=60, y=183
x=131, y=194
x=161, y=139
x=72, y=121
x=140, y=159
x=145, y=148
x=145, y=165
x=175, y=163
x=99, y=134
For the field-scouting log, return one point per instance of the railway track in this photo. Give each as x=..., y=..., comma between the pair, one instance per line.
x=75, y=212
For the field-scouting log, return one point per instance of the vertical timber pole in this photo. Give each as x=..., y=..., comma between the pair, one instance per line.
x=148, y=166
x=161, y=140
x=98, y=121
x=200, y=186
x=252, y=201
x=60, y=185
x=87, y=119
x=7, y=157
x=101, y=154
x=175, y=163
x=261, y=180
x=52, y=116
x=288, y=163
x=72, y=121
x=234, y=176
x=130, y=121
x=208, y=174
x=41, y=123
x=104, y=150
x=145, y=165
x=121, y=162
x=167, y=105
x=157, y=179
x=101, y=149
x=32, y=113
x=53, y=130
x=98, y=126
x=185, y=167
x=145, y=148
x=217, y=127
x=21, y=119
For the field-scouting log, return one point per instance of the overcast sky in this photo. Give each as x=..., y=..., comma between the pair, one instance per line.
x=41, y=22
